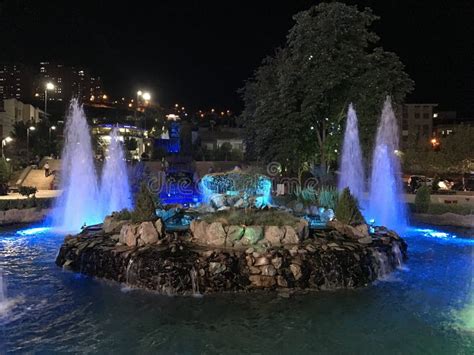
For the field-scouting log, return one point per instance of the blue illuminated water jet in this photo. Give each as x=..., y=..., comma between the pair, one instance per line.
x=386, y=205
x=115, y=193
x=81, y=201
x=77, y=205
x=351, y=165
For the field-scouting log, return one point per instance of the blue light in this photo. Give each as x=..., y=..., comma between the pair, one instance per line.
x=33, y=231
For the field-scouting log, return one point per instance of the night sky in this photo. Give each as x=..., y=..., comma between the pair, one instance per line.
x=198, y=53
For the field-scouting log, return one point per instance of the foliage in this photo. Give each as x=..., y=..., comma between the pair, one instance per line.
x=39, y=203
x=27, y=191
x=440, y=208
x=330, y=59
x=454, y=156
x=347, y=210
x=5, y=171
x=328, y=197
x=250, y=217
x=123, y=215
x=422, y=199
x=145, y=209
x=307, y=196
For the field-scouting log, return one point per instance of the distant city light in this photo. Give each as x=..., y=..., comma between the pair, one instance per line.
x=129, y=105
x=435, y=115
x=139, y=93
x=49, y=86
x=92, y=98
x=104, y=97
x=32, y=128
x=53, y=127
x=176, y=105
x=146, y=96
x=8, y=139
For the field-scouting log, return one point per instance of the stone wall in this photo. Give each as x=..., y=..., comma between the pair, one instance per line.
x=26, y=215
x=445, y=219
x=173, y=264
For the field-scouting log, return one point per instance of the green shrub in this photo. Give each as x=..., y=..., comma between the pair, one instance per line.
x=123, y=215
x=347, y=210
x=19, y=204
x=27, y=191
x=252, y=217
x=145, y=209
x=328, y=197
x=306, y=196
x=422, y=199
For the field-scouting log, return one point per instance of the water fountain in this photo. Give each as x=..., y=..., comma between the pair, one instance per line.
x=385, y=205
x=351, y=166
x=82, y=202
x=115, y=191
x=77, y=204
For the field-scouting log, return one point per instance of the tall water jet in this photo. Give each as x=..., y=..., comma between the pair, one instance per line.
x=386, y=205
x=115, y=193
x=77, y=204
x=351, y=165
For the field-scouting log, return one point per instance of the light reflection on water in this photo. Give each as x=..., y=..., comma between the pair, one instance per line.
x=427, y=308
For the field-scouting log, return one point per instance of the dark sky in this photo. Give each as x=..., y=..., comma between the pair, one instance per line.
x=198, y=53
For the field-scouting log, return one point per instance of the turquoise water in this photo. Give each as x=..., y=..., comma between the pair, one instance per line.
x=426, y=308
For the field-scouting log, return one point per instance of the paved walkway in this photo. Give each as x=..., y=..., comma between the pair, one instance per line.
x=39, y=194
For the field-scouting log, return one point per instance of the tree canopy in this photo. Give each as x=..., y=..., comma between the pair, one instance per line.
x=296, y=101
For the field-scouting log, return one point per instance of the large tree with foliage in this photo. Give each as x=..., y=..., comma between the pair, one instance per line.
x=296, y=101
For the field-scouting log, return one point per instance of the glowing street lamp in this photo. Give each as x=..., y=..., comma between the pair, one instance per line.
x=146, y=96
x=52, y=128
x=49, y=86
x=4, y=143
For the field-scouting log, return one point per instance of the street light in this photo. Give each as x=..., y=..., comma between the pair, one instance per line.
x=52, y=128
x=4, y=143
x=146, y=96
x=49, y=86
x=31, y=128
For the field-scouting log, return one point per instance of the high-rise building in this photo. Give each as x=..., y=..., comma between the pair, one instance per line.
x=13, y=111
x=416, y=122
x=68, y=82
x=16, y=81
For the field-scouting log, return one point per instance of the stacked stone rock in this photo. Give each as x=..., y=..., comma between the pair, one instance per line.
x=280, y=259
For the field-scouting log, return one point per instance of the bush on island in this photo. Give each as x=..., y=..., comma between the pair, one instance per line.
x=145, y=209
x=347, y=210
x=422, y=199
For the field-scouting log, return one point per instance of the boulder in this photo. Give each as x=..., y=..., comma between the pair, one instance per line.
x=253, y=234
x=112, y=225
x=296, y=271
x=360, y=231
x=235, y=233
x=302, y=228
x=215, y=234
x=160, y=227
x=239, y=203
x=262, y=281
x=216, y=267
x=199, y=231
x=147, y=233
x=274, y=235
x=128, y=235
x=268, y=270
x=291, y=237
x=217, y=200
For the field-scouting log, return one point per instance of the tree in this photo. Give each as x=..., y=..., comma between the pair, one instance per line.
x=454, y=154
x=145, y=209
x=5, y=175
x=296, y=101
x=347, y=210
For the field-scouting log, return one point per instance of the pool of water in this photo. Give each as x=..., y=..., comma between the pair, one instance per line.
x=428, y=307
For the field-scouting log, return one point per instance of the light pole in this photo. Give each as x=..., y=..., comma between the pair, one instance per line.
x=49, y=86
x=31, y=128
x=4, y=143
x=52, y=128
x=145, y=96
